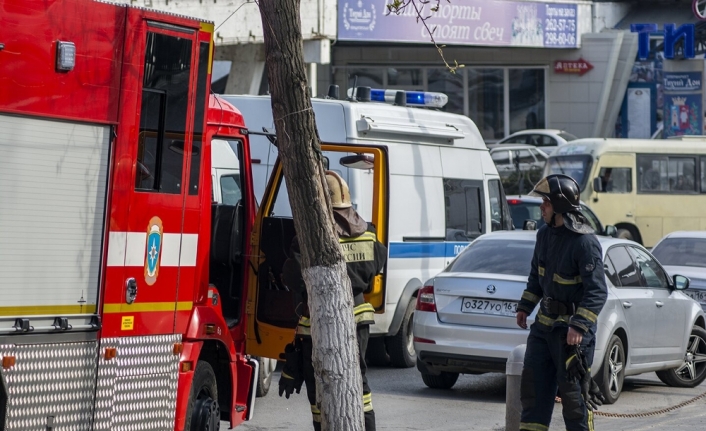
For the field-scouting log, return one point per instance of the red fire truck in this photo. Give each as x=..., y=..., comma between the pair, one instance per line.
x=122, y=304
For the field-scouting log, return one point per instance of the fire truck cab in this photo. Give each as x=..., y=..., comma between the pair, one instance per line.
x=121, y=281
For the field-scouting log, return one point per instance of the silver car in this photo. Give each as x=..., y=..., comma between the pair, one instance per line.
x=465, y=316
x=546, y=139
x=684, y=253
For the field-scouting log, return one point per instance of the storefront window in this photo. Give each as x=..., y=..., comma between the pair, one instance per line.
x=485, y=102
x=409, y=79
x=366, y=77
x=451, y=84
x=527, y=104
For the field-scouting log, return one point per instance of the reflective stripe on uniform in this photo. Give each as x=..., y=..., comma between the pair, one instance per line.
x=548, y=321
x=533, y=427
x=531, y=297
x=590, y=419
x=304, y=327
x=587, y=314
x=316, y=413
x=561, y=280
x=540, y=270
x=364, y=313
x=367, y=402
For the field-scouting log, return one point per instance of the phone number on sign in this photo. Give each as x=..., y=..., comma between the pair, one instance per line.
x=561, y=39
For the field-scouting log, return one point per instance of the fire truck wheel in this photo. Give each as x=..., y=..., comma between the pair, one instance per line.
x=203, y=413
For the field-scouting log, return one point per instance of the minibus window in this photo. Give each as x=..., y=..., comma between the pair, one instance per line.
x=577, y=167
x=615, y=180
x=703, y=175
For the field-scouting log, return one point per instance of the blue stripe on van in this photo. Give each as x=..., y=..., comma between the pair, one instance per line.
x=411, y=250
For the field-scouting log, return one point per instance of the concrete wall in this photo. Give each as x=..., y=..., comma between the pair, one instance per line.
x=607, y=15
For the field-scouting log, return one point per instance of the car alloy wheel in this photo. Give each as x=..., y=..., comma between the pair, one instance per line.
x=611, y=377
x=693, y=371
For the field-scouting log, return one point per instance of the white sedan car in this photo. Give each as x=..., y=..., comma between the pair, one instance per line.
x=684, y=253
x=465, y=316
x=546, y=139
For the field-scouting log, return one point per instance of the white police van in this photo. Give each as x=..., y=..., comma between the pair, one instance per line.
x=423, y=177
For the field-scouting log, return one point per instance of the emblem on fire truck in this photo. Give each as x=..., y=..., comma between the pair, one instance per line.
x=154, y=248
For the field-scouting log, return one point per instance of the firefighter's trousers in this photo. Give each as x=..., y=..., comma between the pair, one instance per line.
x=362, y=335
x=545, y=370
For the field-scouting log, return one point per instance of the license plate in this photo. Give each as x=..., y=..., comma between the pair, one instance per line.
x=699, y=295
x=489, y=306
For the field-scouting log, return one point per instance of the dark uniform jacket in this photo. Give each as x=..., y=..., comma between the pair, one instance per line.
x=365, y=258
x=567, y=269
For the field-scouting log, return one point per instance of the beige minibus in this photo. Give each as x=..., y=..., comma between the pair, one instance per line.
x=645, y=188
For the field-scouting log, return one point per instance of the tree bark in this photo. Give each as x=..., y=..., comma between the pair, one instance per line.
x=335, y=354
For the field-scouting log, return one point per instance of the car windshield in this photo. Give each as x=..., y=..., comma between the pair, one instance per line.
x=492, y=256
x=681, y=252
x=567, y=136
x=577, y=167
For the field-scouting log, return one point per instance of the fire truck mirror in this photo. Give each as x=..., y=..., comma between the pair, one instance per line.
x=131, y=290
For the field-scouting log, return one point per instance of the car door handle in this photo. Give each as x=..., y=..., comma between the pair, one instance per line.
x=627, y=304
x=659, y=304
x=628, y=215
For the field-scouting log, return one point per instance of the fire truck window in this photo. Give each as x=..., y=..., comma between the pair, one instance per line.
x=165, y=102
x=201, y=81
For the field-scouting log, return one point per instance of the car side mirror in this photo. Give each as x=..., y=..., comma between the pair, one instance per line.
x=597, y=185
x=529, y=225
x=611, y=231
x=680, y=282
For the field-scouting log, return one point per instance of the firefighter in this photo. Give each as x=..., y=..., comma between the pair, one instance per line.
x=365, y=257
x=567, y=281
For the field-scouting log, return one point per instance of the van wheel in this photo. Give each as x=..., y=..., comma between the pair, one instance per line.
x=264, y=378
x=693, y=371
x=400, y=346
x=203, y=413
x=442, y=381
x=625, y=234
x=376, y=355
x=612, y=373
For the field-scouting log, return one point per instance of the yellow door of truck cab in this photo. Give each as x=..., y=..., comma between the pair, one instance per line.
x=272, y=308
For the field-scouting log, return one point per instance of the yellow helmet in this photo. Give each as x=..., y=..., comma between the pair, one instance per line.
x=338, y=190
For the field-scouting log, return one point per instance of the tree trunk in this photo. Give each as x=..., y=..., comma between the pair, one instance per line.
x=335, y=356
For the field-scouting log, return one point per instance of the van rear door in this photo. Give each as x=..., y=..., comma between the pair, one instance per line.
x=271, y=306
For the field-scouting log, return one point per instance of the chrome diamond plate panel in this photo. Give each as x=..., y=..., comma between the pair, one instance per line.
x=50, y=382
x=137, y=389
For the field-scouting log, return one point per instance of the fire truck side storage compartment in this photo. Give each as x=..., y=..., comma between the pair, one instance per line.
x=53, y=179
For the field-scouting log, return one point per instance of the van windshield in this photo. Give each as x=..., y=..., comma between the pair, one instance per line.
x=577, y=167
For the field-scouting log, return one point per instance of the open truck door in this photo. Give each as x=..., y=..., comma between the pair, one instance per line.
x=272, y=308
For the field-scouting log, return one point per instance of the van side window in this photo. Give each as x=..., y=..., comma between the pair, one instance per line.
x=464, y=209
x=668, y=174
x=615, y=180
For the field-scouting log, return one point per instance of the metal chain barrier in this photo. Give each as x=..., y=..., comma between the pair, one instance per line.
x=648, y=414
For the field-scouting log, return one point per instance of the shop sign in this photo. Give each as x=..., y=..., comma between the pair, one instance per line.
x=462, y=22
x=579, y=66
x=672, y=36
x=685, y=81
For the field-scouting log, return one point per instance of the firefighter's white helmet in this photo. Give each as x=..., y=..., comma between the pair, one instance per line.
x=338, y=190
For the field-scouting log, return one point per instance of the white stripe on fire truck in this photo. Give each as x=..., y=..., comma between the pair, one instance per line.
x=128, y=249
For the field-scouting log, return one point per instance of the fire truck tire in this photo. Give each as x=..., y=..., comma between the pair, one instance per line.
x=203, y=413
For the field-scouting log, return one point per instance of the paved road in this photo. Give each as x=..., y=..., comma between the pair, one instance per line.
x=402, y=402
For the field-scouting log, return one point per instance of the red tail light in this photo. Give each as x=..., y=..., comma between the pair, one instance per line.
x=514, y=201
x=425, y=298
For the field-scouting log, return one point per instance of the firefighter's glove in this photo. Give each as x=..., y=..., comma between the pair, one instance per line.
x=292, y=376
x=592, y=395
x=576, y=364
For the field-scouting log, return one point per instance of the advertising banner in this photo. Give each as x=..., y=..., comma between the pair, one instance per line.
x=462, y=22
x=684, y=81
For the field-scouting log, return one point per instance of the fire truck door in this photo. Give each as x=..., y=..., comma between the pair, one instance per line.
x=160, y=251
x=273, y=308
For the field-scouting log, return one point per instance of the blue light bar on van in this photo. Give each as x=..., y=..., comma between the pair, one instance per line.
x=415, y=98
